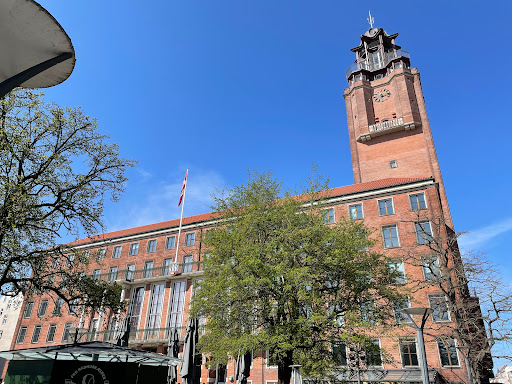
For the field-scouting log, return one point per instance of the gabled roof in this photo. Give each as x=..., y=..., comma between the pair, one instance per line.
x=204, y=217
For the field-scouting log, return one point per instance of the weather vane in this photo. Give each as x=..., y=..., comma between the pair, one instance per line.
x=370, y=19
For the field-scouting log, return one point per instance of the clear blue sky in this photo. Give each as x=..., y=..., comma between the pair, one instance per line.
x=223, y=86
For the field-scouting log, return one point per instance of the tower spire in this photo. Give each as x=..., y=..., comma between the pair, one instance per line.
x=370, y=19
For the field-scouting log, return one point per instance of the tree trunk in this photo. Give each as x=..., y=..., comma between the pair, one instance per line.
x=284, y=372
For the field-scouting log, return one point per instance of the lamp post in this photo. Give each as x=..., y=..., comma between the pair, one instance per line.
x=423, y=312
x=464, y=350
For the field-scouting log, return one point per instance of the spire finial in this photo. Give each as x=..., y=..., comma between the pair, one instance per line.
x=370, y=19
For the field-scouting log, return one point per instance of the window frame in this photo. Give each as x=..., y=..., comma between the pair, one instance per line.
x=392, y=206
x=133, y=246
x=187, y=267
x=267, y=358
x=148, y=272
x=167, y=241
x=66, y=334
x=399, y=262
x=383, y=227
x=190, y=239
x=326, y=217
x=100, y=255
x=439, y=296
x=96, y=274
x=355, y=205
x=408, y=341
x=458, y=365
x=115, y=254
x=424, y=199
x=112, y=273
x=151, y=246
x=37, y=327
x=427, y=267
x=27, y=311
x=23, y=328
x=421, y=231
x=50, y=327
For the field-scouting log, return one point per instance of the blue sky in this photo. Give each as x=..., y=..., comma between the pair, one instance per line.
x=227, y=85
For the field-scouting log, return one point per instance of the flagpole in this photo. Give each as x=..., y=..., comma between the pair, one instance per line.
x=181, y=218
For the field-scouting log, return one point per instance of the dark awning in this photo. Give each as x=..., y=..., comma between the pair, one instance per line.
x=91, y=351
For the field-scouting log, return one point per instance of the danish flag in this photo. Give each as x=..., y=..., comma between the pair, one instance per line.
x=183, y=188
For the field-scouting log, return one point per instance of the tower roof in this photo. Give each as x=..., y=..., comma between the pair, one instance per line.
x=373, y=34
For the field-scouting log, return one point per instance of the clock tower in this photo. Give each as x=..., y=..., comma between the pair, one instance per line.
x=388, y=126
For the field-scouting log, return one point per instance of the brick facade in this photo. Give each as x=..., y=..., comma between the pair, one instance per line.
x=373, y=148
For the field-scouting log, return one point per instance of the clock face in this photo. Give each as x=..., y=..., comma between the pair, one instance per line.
x=381, y=95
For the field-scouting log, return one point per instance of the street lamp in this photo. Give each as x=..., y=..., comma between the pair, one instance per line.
x=423, y=312
x=35, y=51
x=464, y=350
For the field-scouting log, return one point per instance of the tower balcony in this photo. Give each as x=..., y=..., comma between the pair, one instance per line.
x=386, y=127
x=389, y=57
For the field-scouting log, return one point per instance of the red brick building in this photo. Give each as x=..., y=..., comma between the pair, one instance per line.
x=398, y=184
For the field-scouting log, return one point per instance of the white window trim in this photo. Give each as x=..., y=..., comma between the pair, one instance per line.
x=132, y=298
x=269, y=366
x=408, y=338
x=392, y=205
x=397, y=236
x=429, y=296
x=353, y=205
x=456, y=351
x=424, y=198
x=416, y=232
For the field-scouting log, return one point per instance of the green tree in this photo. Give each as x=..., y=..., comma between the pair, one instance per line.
x=56, y=170
x=280, y=279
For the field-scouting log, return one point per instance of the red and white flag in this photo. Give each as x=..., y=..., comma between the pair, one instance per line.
x=184, y=186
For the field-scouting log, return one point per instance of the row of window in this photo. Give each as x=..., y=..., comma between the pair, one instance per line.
x=170, y=243
x=437, y=302
x=50, y=335
x=408, y=352
x=43, y=306
x=429, y=265
x=149, y=268
x=385, y=206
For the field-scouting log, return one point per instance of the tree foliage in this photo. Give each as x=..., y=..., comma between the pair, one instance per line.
x=56, y=170
x=280, y=279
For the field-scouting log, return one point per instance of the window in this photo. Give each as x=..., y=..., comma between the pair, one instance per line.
x=112, y=274
x=408, y=353
x=368, y=312
x=100, y=254
x=36, y=334
x=50, y=336
x=400, y=316
x=96, y=274
x=271, y=359
x=170, y=242
x=130, y=272
x=187, y=264
x=136, y=307
x=372, y=353
x=55, y=263
x=339, y=353
x=393, y=164
x=166, y=266
x=69, y=260
x=66, y=334
x=390, y=236
x=448, y=353
x=148, y=269
x=43, y=306
x=134, y=249
x=398, y=268
x=116, y=253
x=177, y=304
x=423, y=232
x=355, y=211
x=155, y=308
x=386, y=207
x=151, y=245
x=86, y=255
x=328, y=215
x=58, y=307
x=431, y=268
x=440, y=306
x=73, y=307
x=417, y=201
x=28, y=309
x=190, y=239
x=21, y=335
x=4, y=320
